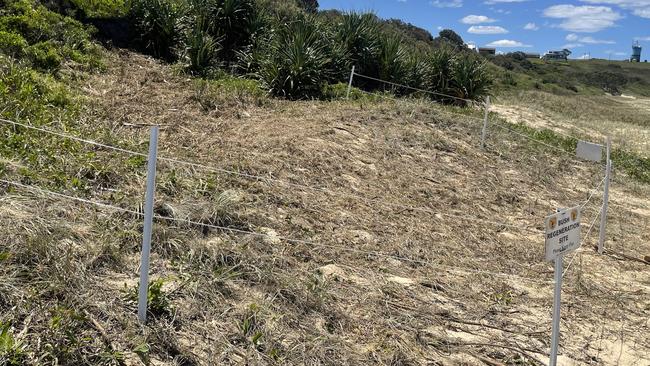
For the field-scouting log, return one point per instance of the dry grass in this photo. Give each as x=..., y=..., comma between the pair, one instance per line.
x=626, y=119
x=242, y=299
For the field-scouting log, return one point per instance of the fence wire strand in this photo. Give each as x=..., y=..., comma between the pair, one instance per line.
x=75, y=138
x=593, y=224
x=413, y=88
x=593, y=192
x=286, y=239
x=290, y=184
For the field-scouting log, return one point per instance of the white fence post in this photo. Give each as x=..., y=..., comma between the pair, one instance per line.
x=603, y=216
x=557, y=303
x=148, y=222
x=485, y=122
x=347, y=96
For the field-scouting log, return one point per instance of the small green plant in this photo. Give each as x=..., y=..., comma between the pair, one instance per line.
x=503, y=298
x=12, y=352
x=143, y=350
x=158, y=303
x=249, y=321
x=251, y=326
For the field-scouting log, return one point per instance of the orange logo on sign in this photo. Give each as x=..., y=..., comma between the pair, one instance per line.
x=552, y=223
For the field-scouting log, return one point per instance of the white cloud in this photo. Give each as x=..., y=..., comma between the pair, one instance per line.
x=586, y=19
x=477, y=19
x=492, y=2
x=572, y=37
x=570, y=46
x=487, y=29
x=506, y=43
x=531, y=26
x=642, y=38
x=589, y=40
x=447, y=4
x=639, y=7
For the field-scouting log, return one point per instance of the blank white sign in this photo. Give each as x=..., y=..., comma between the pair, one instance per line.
x=589, y=151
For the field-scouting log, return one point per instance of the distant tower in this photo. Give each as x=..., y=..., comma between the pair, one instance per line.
x=636, y=52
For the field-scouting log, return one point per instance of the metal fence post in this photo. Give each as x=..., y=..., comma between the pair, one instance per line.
x=148, y=222
x=347, y=96
x=485, y=121
x=603, y=216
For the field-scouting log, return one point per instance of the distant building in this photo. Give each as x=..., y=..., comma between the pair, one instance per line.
x=487, y=51
x=532, y=55
x=636, y=52
x=562, y=55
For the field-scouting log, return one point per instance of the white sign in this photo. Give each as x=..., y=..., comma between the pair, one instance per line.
x=562, y=233
x=588, y=151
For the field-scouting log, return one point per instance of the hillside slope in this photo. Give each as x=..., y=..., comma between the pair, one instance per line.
x=317, y=233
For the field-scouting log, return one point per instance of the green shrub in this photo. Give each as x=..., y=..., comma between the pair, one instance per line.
x=392, y=59
x=416, y=71
x=297, y=65
x=44, y=55
x=232, y=20
x=45, y=37
x=201, y=49
x=439, y=71
x=12, y=44
x=102, y=8
x=157, y=22
x=358, y=35
x=470, y=78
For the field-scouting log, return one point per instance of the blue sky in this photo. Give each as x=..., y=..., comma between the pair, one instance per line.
x=601, y=28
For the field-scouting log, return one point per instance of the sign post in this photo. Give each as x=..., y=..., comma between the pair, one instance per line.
x=562, y=237
x=557, y=293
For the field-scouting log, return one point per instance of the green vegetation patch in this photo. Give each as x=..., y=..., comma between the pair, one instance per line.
x=295, y=52
x=630, y=163
x=45, y=39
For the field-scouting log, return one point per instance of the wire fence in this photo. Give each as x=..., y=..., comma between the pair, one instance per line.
x=489, y=122
x=463, y=216
x=470, y=101
x=309, y=243
x=457, y=215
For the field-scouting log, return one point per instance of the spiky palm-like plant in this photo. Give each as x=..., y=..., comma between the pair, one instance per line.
x=157, y=23
x=439, y=69
x=201, y=48
x=471, y=78
x=358, y=35
x=231, y=20
x=297, y=65
x=392, y=59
